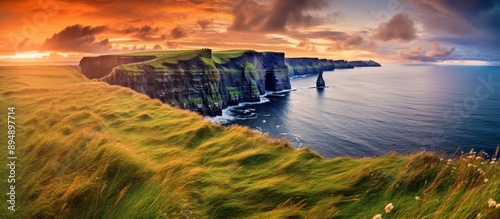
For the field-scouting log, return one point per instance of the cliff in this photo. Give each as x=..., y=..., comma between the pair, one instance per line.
x=369, y=63
x=247, y=74
x=98, y=67
x=308, y=66
x=327, y=64
x=303, y=66
x=196, y=80
x=188, y=80
x=342, y=64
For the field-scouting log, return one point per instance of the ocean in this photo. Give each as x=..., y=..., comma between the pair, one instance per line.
x=374, y=111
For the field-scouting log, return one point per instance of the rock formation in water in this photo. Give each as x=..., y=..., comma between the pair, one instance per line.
x=320, y=82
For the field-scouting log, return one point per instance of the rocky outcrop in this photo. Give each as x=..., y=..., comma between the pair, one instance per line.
x=98, y=67
x=320, y=82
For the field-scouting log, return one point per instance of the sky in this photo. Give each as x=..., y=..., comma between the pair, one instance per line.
x=63, y=31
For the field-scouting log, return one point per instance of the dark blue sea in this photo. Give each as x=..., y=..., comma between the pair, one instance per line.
x=373, y=111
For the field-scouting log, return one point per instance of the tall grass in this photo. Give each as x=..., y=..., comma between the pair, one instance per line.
x=91, y=150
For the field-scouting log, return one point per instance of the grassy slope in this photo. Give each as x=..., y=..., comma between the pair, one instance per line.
x=91, y=150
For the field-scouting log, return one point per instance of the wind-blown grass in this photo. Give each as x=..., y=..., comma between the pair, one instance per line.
x=91, y=150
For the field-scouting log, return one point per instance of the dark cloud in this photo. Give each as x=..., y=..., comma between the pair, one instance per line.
x=277, y=15
x=172, y=45
x=419, y=53
x=469, y=24
x=293, y=13
x=354, y=42
x=204, y=23
x=178, y=32
x=399, y=27
x=458, y=17
x=77, y=38
x=146, y=33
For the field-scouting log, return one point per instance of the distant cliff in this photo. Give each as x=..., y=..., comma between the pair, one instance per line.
x=202, y=81
x=98, y=67
x=342, y=64
x=369, y=63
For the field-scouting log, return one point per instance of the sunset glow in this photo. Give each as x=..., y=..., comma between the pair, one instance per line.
x=397, y=31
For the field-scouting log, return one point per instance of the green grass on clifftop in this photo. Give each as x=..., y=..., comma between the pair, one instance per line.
x=91, y=150
x=222, y=57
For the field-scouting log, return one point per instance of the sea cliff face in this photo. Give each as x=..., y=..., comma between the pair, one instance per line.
x=187, y=80
x=304, y=66
x=195, y=80
x=245, y=75
x=308, y=66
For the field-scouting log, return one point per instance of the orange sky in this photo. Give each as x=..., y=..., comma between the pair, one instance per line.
x=62, y=31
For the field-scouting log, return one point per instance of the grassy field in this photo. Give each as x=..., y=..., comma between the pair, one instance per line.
x=91, y=150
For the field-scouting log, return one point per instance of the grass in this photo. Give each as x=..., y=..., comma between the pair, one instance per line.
x=164, y=58
x=91, y=150
x=222, y=57
x=159, y=53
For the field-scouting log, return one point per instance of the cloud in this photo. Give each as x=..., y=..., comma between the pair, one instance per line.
x=458, y=17
x=469, y=24
x=178, y=33
x=204, y=23
x=77, y=38
x=323, y=34
x=437, y=53
x=399, y=27
x=276, y=15
x=146, y=33
x=172, y=45
x=356, y=41
x=306, y=45
x=157, y=47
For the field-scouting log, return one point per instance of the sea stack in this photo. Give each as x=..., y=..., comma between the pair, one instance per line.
x=320, y=82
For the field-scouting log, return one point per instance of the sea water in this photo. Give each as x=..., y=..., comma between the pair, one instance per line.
x=374, y=111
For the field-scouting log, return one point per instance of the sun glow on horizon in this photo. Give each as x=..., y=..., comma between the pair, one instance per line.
x=28, y=55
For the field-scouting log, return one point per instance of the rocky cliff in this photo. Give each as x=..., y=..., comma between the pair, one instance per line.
x=308, y=66
x=196, y=80
x=369, y=63
x=327, y=64
x=188, y=80
x=303, y=66
x=247, y=74
x=342, y=64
